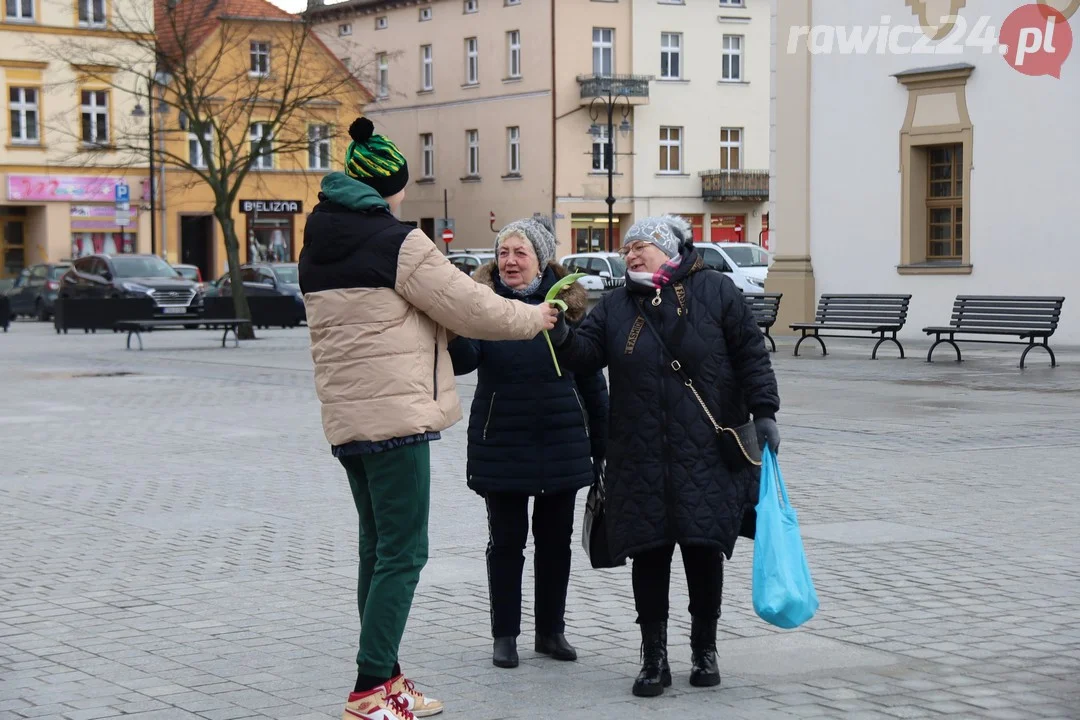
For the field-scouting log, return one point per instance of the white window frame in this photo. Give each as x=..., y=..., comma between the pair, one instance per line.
x=472, y=145
x=98, y=111
x=513, y=2
x=24, y=12
x=598, y=146
x=93, y=18
x=513, y=150
x=666, y=144
x=20, y=110
x=732, y=58
x=195, y=151
x=427, y=68
x=732, y=3
x=258, y=133
x=727, y=145
x=671, y=52
x=472, y=61
x=381, y=22
x=513, y=54
x=471, y=6
x=427, y=156
x=319, y=147
x=425, y=14
x=602, y=47
x=344, y=29
x=383, y=75
x=259, y=55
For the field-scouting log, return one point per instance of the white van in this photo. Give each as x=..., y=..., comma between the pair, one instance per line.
x=715, y=258
x=603, y=270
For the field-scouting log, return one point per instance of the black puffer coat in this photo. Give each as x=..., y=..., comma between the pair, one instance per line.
x=531, y=431
x=667, y=480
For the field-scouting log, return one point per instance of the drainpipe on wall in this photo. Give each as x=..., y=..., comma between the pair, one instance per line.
x=554, y=134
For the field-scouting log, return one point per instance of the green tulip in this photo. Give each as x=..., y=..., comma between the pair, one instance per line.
x=551, y=299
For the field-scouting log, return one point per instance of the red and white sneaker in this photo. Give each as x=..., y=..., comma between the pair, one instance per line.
x=420, y=705
x=377, y=704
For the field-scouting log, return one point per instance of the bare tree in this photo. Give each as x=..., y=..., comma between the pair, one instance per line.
x=243, y=107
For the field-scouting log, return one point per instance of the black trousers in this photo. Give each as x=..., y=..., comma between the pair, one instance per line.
x=652, y=580
x=508, y=529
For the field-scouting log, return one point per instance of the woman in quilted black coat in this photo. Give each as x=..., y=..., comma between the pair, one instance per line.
x=531, y=434
x=669, y=480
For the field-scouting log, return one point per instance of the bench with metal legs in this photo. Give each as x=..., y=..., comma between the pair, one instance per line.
x=1031, y=319
x=882, y=316
x=135, y=328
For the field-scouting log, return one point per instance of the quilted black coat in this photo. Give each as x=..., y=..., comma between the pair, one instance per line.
x=531, y=431
x=667, y=478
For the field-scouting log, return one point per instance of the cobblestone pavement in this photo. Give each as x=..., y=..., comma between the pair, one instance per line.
x=176, y=542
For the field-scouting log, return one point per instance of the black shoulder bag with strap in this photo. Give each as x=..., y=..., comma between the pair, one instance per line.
x=738, y=442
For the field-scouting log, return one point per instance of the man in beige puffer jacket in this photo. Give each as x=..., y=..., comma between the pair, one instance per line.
x=381, y=300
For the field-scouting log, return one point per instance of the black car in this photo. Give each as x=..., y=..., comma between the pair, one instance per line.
x=35, y=290
x=118, y=276
x=267, y=279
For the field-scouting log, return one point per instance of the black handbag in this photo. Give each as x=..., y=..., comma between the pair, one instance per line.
x=594, y=528
x=743, y=437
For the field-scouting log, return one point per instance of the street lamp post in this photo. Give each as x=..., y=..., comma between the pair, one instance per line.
x=610, y=103
x=139, y=112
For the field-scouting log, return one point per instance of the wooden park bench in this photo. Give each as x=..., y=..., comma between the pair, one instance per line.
x=1031, y=319
x=137, y=327
x=765, y=306
x=880, y=315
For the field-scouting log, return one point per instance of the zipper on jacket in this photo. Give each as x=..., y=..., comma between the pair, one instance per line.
x=584, y=416
x=491, y=406
x=435, y=372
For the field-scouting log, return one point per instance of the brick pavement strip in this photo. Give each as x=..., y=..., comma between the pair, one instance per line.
x=178, y=543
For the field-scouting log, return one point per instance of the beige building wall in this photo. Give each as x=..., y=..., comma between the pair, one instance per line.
x=699, y=101
x=51, y=183
x=392, y=35
x=580, y=191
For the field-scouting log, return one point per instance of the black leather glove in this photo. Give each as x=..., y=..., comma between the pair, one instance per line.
x=767, y=432
x=560, y=332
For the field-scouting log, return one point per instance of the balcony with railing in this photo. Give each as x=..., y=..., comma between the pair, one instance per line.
x=635, y=88
x=735, y=185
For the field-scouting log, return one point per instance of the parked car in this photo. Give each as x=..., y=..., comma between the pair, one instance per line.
x=469, y=260
x=749, y=258
x=35, y=290
x=603, y=270
x=117, y=276
x=263, y=279
x=715, y=258
x=193, y=273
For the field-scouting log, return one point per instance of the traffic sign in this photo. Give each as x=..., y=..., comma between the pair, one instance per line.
x=123, y=193
x=448, y=236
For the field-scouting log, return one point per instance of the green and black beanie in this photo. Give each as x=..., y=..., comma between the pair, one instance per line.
x=374, y=160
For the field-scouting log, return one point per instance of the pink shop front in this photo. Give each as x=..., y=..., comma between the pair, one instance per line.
x=55, y=217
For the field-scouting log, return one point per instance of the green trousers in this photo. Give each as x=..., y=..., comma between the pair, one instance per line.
x=392, y=492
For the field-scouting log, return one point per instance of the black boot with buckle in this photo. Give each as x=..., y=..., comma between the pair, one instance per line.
x=655, y=672
x=703, y=670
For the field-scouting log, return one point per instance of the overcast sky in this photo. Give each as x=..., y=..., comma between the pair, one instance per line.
x=290, y=5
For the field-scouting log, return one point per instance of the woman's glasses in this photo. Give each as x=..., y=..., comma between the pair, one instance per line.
x=636, y=247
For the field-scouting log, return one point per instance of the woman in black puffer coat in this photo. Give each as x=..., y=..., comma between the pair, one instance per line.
x=531, y=434
x=668, y=478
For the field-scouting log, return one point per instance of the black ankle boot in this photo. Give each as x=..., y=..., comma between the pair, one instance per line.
x=504, y=654
x=655, y=673
x=556, y=646
x=703, y=671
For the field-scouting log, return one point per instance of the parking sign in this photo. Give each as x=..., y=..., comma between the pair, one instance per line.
x=123, y=192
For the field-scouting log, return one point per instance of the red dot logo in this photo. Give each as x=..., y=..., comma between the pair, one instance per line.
x=1036, y=40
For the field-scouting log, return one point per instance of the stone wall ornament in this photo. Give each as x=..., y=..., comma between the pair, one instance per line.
x=937, y=17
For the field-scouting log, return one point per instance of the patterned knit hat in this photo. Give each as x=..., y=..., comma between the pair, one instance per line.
x=538, y=230
x=374, y=160
x=667, y=232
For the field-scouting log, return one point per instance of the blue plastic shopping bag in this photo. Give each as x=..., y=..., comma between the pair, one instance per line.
x=783, y=592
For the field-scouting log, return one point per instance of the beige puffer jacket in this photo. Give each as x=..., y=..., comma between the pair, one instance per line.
x=379, y=312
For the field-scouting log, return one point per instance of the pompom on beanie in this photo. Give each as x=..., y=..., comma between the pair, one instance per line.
x=374, y=160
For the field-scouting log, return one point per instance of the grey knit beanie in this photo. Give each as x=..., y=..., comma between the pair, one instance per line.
x=667, y=232
x=538, y=230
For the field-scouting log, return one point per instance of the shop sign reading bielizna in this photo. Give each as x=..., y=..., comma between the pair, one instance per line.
x=285, y=207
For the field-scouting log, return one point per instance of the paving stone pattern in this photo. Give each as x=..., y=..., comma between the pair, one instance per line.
x=177, y=542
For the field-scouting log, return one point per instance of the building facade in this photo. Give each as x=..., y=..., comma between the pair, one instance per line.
x=66, y=190
x=701, y=144
x=502, y=108
x=258, y=51
x=882, y=184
